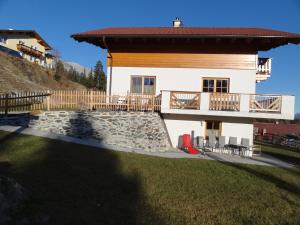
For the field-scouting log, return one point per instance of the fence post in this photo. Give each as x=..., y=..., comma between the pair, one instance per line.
x=128, y=102
x=6, y=105
x=152, y=103
x=91, y=100
x=48, y=100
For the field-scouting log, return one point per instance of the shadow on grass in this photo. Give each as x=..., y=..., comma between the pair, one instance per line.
x=284, y=157
x=280, y=183
x=75, y=184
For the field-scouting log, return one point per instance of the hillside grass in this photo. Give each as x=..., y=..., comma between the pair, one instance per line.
x=21, y=75
x=76, y=184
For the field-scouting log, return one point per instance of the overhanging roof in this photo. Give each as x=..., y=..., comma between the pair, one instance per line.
x=31, y=33
x=269, y=38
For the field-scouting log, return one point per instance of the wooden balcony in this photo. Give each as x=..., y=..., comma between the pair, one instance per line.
x=30, y=51
x=263, y=69
x=228, y=104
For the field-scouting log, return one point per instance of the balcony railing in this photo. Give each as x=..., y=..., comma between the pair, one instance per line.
x=265, y=103
x=228, y=104
x=264, y=65
x=263, y=69
x=224, y=102
x=30, y=51
x=184, y=100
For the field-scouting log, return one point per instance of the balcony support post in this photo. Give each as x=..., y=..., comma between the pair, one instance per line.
x=165, y=99
x=245, y=102
x=205, y=99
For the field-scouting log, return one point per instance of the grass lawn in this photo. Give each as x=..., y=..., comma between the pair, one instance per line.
x=75, y=184
x=286, y=155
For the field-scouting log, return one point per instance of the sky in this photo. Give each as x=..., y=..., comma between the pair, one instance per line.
x=56, y=20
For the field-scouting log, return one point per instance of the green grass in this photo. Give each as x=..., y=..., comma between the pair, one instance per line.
x=284, y=154
x=75, y=184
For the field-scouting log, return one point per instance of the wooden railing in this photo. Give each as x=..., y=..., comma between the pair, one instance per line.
x=29, y=50
x=24, y=101
x=69, y=99
x=184, y=100
x=224, y=102
x=265, y=103
x=264, y=65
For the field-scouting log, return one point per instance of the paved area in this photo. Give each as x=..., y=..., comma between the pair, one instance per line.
x=264, y=160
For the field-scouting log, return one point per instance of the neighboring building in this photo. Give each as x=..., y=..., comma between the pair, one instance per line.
x=279, y=128
x=206, y=77
x=28, y=44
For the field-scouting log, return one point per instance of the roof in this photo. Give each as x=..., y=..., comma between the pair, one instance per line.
x=31, y=33
x=279, y=129
x=94, y=36
x=187, y=31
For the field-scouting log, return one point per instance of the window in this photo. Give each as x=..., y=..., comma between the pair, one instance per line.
x=143, y=85
x=216, y=85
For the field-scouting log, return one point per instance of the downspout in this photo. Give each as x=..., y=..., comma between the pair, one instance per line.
x=111, y=60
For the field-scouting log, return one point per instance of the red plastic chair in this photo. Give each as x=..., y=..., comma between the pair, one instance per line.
x=186, y=144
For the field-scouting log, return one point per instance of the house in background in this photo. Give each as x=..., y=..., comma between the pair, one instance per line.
x=27, y=44
x=206, y=77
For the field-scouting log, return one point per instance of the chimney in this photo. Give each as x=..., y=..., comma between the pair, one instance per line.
x=177, y=22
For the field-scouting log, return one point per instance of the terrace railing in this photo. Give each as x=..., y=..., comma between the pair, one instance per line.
x=224, y=102
x=69, y=99
x=265, y=103
x=184, y=100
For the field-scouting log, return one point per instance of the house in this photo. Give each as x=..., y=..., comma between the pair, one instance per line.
x=27, y=44
x=206, y=77
x=277, y=128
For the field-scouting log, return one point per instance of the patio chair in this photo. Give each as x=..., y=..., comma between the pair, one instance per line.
x=212, y=141
x=187, y=144
x=200, y=141
x=233, y=146
x=221, y=143
x=180, y=142
x=245, y=144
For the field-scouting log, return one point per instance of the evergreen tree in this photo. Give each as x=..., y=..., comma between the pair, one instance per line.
x=90, y=80
x=59, y=70
x=99, y=76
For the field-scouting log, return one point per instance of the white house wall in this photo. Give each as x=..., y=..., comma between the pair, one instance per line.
x=185, y=124
x=182, y=79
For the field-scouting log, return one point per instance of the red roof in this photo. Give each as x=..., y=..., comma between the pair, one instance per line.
x=279, y=129
x=187, y=31
x=261, y=39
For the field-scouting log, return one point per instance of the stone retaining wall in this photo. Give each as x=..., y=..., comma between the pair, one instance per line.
x=140, y=130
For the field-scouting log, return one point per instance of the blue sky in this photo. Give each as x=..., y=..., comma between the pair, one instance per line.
x=56, y=20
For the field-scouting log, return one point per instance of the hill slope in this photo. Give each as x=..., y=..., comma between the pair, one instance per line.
x=20, y=75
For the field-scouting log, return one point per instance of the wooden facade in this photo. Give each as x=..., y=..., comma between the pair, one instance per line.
x=183, y=60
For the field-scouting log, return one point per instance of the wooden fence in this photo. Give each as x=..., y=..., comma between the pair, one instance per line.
x=22, y=101
x=69, y=99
